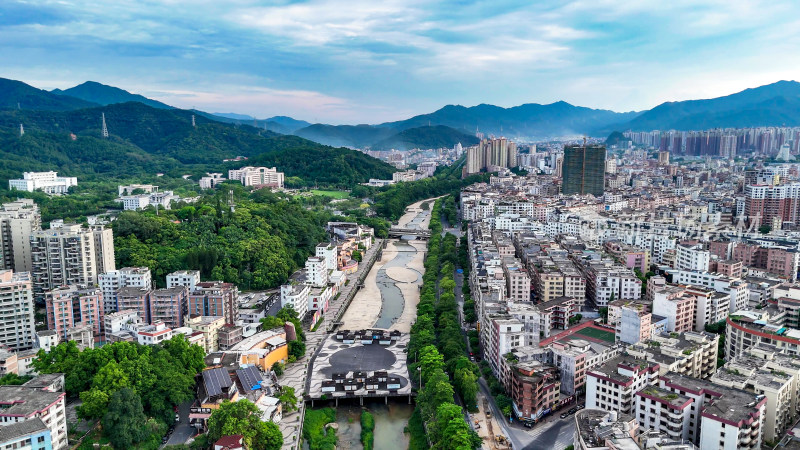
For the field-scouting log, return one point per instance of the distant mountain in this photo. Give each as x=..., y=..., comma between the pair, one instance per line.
x=529, y=121
x=524, y=121
x=234, y=116
x=437, y=136
x=770, y=105
x=16, y=94
x=288, y=123
x=345, y=135
x=102, y=94
x=146, y=140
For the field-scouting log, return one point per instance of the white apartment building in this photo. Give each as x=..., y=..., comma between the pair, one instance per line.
x=719, y=417
x=103, y=248
x=17, y=329
x=692, y=257
x=664, y=411
x=329, y=251
x=711, y=306
x=157, y=199
x=17, y=221
x=613, y=385
x=764, y=371
x=188, y=278
x=257, y=176
x=111, y=282
x=316, y=271
x=296, y=296
x=47, y=182
x=635, y=323
x=691, y=353
x=505, y=334
x=154, y=334
x=125, y=320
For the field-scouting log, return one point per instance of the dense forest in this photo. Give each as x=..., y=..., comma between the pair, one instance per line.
x=257, y=245
x=131, y=388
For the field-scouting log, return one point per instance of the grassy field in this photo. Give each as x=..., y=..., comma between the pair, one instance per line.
x=334, y=194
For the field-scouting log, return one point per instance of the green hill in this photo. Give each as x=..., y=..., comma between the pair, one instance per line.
x=437, y=136
x=144, y=140
x=18, y=95
x=101, y=94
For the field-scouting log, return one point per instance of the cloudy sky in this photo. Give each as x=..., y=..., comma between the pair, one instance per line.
x=368, y=61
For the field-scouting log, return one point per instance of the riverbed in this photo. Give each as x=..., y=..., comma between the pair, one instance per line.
x=390, y=294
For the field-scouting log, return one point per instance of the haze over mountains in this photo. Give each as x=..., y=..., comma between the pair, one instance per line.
x=776, y=104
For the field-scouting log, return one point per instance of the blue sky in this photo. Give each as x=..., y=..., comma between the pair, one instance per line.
x=368, y=61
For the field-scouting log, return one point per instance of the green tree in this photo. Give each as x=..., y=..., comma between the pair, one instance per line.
x=244, y=418
x=270, y=322
x=467, y=384
x=764, y=229
x=125, y=421
x=297, y=349
x=356, y=255
x=288, y=398
x=278, y=368
x=12, y=379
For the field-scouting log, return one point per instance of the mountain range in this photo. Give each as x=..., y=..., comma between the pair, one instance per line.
x=776, y=104
x=63, y=133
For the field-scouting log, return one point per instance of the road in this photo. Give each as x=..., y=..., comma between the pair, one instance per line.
x=183, y=431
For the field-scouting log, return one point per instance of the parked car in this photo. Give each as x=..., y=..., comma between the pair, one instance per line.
x=572, y=410
x=564, y=415
x=177, y=417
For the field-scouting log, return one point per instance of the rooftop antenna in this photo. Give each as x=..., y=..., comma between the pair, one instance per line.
x=21, y=130
x=105, y=129
x=194, y=125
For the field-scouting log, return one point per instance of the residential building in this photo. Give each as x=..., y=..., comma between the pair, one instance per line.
x=612, y=386
x=31, y=434
x=766, y=372
x=691, y=353
x=103, y=248
x=215, y=298
x=169, y=306
x=135, y=298
x=316, y=271
x=110, y=282
x=46, y=340
x=210, y=327
x=630, y=256
x=692, y=257
x=634, y=323
x=296, y=296
x=583, y=170
x=535, y=389
x=329, y=252
x=597, y=429
x=124, y=320
x=518, y=282
x=65, y=255
x=211, y=180
x=257, y=176
x=28, y=403
x=746, y=329
x=17, y=221
x=73, y=306
x=154, y=334
x=710, y=307
x=719, y=417
x=47, y=182
x=17, y=329
x=188, y=278
x=677, y=306
x=664, y=411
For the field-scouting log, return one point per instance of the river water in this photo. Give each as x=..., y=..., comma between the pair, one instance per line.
x=392, y=300
x=390, y=421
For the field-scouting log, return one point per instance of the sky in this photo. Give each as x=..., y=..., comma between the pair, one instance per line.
x=370, y=61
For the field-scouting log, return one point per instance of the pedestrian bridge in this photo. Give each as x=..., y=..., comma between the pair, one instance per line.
x=400, y=232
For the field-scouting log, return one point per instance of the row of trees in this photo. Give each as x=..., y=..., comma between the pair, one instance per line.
x=244, y=418
x=439, y=349
x=131, y=386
